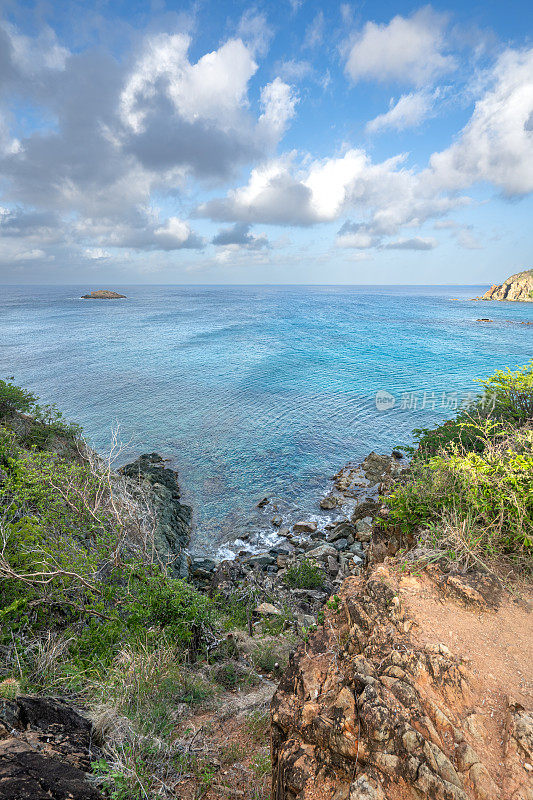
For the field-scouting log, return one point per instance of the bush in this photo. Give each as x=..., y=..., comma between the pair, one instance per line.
x=304, y=575
x=13, y=398
x=507, y=398
x=492, y=490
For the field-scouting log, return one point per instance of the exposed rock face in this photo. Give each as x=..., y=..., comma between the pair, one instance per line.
x=103, y=294
x=365, y=713
x=517, y=287
x=45, y=751
x=173, y=518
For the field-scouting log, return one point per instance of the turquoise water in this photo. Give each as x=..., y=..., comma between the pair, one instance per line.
x=255, y=391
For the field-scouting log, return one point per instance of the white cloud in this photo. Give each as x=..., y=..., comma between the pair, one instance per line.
x=497, y=143
x=408, y=112
x=30, y=255
x=278, y=103
x=359, y=240
x=409, y=50
x=293, y=70
x=280, y=193
x=466, y=239
x=315, y=32
x=97, y=253
x=255, y=31
x=213, y=89
x=415, y=243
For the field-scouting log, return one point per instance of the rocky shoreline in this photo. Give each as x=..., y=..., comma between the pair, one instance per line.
x=373, y=704
x=517, y=288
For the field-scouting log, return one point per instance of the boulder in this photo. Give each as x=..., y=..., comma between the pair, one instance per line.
x=172, y=518
x=322, y=552
x=328, y=502
x=344, y=530
x=261, y=560
x=305, y=526
x=45, y=751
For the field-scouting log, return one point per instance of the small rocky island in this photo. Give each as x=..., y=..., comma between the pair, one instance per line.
x=103, y=294
x=517, y=287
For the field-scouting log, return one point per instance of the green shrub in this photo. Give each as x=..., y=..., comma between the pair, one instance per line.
x=13, y=398
x=493, y=490
x=304, y=575
x=507, y=398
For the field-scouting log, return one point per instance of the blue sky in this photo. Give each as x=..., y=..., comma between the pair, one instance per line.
x=287, y=142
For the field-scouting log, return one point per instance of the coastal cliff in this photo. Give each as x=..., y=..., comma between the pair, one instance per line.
x=518, y=287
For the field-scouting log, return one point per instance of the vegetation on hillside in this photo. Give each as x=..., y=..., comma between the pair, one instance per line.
x=469, y=495
x=87, y=608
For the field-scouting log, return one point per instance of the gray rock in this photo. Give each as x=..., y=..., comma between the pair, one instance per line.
x=344, y=530
x=277, y=521
x=261, y=560
x=332, y=565
x=203, y=564
x=340, y=544
x=328, y=502
x=305, y=526
x=322, y=552
x=173, y=518
x=311, y=596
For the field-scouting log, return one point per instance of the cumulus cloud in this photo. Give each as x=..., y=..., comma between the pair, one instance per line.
x=123, y=131
x=497, y=143
x=280, y=193
x=496, y=147
x=408, y=50
x=408, y=112
x=239, y=234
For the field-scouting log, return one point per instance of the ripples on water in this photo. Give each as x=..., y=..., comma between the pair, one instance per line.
x=253, y=391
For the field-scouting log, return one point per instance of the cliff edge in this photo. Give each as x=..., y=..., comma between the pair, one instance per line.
x=377, y=706
x=517, y=287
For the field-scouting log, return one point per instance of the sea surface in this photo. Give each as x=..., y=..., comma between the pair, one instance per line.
x=259, y=390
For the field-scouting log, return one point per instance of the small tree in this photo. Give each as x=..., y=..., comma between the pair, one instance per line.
x=13, y=398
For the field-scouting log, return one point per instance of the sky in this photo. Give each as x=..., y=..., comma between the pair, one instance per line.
x=294, y=141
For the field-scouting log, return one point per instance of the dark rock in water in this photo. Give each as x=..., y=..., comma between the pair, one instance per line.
x=305, y=526
x=173, y=522
x=397, y=454
x=264, y=502
x=103, y=294
x=45, y=751
x=277, y=521
x=328, y=502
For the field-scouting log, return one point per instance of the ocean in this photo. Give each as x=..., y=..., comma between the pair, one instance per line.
x=256, y=391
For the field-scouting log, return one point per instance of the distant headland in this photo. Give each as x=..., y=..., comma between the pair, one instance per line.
x=518, y=287
x=103, y=294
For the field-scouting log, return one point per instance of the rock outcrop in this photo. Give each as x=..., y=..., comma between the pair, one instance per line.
x=517, y=287
x=365, y=711
x=172, y=518
x=103, y=294
x=45, y=751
